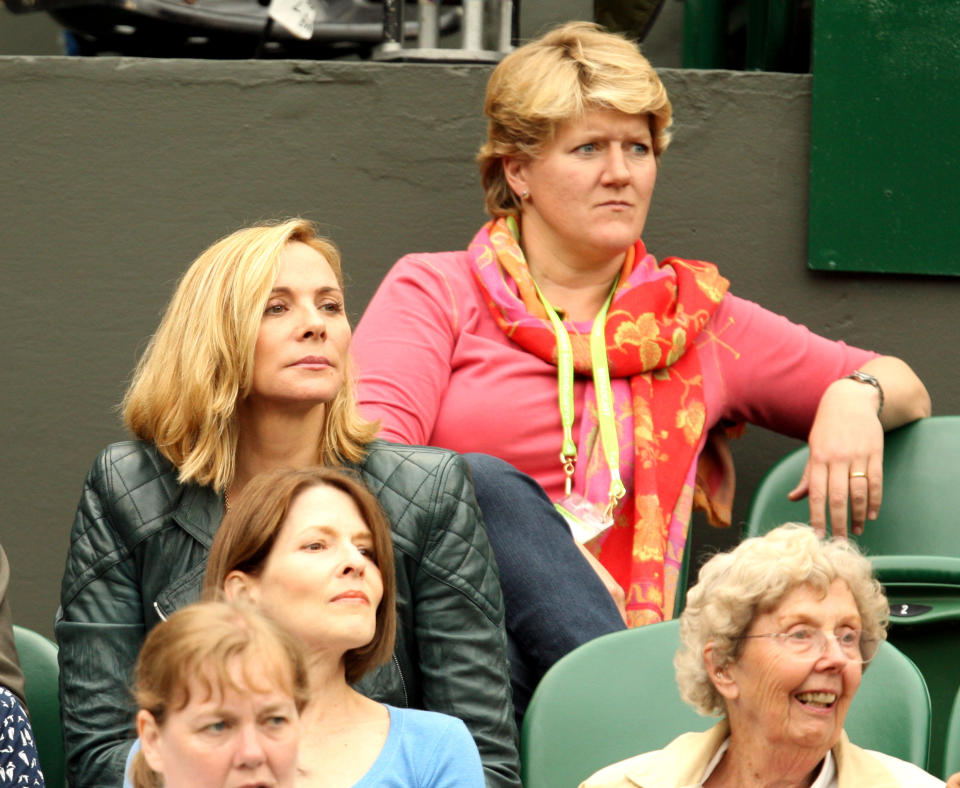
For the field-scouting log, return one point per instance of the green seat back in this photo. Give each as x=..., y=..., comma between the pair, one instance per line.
x=919, y=489
x=951, y=757
x=891, y=711
x=610, y=699
x=921, y=493
x=38, y=658
x=913, y=546
x=617, y=696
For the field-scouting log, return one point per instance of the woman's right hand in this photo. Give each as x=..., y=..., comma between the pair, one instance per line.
x=612, y=586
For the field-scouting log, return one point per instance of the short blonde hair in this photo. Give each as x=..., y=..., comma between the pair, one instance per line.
x=250, y=529
x=199, y=363
x=752, y=579
x=198, y=643
x=555, y=78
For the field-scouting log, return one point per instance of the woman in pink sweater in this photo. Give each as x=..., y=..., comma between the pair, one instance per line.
x=650, y=359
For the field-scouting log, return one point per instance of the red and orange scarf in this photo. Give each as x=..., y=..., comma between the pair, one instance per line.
x=656, y=314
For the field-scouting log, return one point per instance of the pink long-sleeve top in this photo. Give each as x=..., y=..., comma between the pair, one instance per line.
x=437, y=370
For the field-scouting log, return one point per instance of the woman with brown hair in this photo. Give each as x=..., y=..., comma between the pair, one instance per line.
x=249, y=371
x=312, y=549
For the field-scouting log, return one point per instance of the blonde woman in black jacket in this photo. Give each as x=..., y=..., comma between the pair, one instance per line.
x=250, y=371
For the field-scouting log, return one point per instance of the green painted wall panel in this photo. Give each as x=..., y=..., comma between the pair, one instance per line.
x=885, y=158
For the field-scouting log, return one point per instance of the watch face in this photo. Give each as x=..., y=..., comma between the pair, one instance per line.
x=866, y=377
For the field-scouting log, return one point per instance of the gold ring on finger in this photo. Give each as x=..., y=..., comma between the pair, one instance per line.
x=858, y=474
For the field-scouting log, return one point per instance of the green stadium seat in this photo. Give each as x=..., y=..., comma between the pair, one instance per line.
x=38, y=658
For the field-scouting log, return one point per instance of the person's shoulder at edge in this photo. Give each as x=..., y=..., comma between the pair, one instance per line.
x=674, y=765
x=436, y=481
x=430, y=270
x=427, y=495
x=615, y=775
x=131, y=460
x=423, y=722
x=121, y=475
x=451, y=257
x=124, y=476
x=387, y=457
x=749, y=319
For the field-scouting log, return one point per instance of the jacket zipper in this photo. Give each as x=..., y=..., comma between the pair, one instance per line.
x=163, y=617
x=403, y=684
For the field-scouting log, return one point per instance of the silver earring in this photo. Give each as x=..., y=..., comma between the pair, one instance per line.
x=524, y=194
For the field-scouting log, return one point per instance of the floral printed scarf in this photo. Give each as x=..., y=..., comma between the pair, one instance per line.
x=656, y=313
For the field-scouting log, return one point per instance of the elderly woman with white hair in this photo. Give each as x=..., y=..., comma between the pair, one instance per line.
x=775, y=638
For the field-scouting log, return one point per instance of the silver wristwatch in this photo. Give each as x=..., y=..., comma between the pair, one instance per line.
x=870, y=380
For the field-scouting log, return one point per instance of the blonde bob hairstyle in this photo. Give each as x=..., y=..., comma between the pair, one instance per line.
x=556, y=78
x=197, y=647
x=199, y=363
x=250, y=529
x=753, y=579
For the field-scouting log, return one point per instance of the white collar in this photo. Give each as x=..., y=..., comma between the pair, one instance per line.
x=826, y=778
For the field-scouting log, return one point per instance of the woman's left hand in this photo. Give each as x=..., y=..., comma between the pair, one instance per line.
x=846, y=459
x=846, y=444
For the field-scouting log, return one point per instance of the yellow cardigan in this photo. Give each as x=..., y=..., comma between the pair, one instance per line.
x=682, y=762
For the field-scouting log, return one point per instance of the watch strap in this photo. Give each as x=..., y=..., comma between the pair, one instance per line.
x=865, y=377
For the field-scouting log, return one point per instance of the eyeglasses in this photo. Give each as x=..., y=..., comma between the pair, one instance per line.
x=812, y=642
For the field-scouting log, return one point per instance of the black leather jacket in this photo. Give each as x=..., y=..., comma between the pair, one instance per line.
x=138, y=551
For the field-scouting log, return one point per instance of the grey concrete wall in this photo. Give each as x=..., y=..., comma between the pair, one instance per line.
x=29, y=34
x=116, y=173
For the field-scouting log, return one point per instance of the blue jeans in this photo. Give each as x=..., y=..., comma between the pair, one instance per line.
x=554, y=600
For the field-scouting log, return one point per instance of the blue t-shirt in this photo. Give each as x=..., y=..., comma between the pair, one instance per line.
x=423, y=749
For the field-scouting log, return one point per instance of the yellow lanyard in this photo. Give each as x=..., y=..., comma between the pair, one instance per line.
x=604, y=393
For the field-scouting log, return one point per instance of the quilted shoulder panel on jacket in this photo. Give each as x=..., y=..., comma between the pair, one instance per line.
x=428, y=497
x=128, y=494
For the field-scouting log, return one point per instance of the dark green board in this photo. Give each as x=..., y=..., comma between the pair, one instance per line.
x=885, y=137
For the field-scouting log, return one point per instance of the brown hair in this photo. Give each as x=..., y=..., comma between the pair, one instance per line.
x=199, y=363
x=198, y=643
x=555, y=78
x=250, y=528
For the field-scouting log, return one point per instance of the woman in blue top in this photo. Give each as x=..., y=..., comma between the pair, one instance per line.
x=312, y=549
